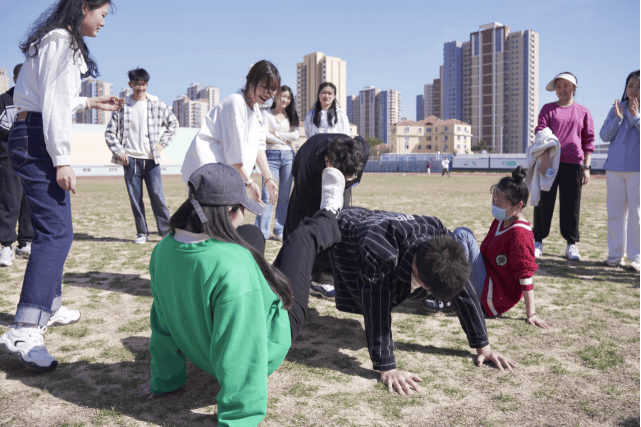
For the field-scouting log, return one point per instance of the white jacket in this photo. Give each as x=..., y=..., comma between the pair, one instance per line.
x=535, y=180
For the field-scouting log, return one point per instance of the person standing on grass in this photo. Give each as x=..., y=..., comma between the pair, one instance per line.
x=219, y=303
x=46, y=96
x=572, y=124
x=349, y=155
x=133, y=135
x=234, y=132
x=621, y=130
x=445, y=164
x=13, y=201
x=282, y=130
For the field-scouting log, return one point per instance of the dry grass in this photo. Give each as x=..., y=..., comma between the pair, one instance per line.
x=583, y=372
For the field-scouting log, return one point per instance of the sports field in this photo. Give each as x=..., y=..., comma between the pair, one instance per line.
x=583, y=372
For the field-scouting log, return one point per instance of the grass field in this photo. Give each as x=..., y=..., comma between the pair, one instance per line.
x=583, y=372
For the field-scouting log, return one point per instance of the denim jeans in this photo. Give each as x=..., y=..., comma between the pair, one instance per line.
x=280, y=165
x=135, y=172
x=473, y=252
x=51, y=219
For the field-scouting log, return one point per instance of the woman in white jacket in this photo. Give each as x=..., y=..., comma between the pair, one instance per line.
x=326, y=116
x=282, y=130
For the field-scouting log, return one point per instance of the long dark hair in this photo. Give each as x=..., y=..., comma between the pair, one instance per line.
x=513, y=187
x=331, y=111
x=290, y=111
x=625, y=94
x=219, y=227
x=261, y=70
x=65, y=14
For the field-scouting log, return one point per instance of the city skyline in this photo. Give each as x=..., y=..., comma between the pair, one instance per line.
x=598, y=41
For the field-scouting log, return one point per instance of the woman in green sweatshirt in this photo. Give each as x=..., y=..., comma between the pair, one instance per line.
x=218, y=302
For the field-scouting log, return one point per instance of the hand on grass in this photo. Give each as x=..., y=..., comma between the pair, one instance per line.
x=536, y=321
x=486, y=354
x=145, y=391
x=402, y=381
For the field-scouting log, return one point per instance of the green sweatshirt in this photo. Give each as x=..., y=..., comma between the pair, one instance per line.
x=213, y=306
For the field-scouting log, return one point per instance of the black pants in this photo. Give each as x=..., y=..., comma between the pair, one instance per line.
x=568, y=181
x=296, y=257
x=14, y=208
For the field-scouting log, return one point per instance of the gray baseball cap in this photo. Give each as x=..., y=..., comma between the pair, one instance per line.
x=216, y=184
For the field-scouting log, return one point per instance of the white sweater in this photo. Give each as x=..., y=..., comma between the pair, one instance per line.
x=279, y=134
x=341, y=125
x=535, y=180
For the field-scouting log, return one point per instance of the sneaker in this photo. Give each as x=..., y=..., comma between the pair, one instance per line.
x=572, y=253
x=431, y=306
x=6, y=256
x=24, y=252
x=278, y=237
x=614, y=262
x=538, y=249
x=141, y=239
x=634, y=266
x=26, y=342
x=321, y=290
x=333, y=189
x=63, y=316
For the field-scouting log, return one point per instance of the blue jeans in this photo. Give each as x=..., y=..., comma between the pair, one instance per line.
x=51, y=219
x=473, y=252
x=135, y=172
x=280, y=165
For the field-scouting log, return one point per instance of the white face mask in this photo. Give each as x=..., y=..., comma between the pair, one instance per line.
x=499, y=213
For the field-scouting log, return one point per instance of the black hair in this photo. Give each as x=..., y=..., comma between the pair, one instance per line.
x=16, y=70
x=67, y=15
x=290, y=111
x=260, y=71
x=513, y=187
x=625, y=94
x=443, y=266
x=575, y=78
x=332, y=116
x=138, y=74
x=346, y=154
x=219, y=227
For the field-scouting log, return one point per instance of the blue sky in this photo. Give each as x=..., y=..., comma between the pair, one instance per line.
x=390, y=45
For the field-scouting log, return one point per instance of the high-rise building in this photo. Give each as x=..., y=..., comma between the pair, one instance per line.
x=389, y=112
x=420, y=107
x=436, y=98
x=452, y=80
x=315, y=69
x=351, y=100
x=192, y=108
x=5, y=81
x=428, y=99
x=124, y=92
x=91, y=88
x=368, y=125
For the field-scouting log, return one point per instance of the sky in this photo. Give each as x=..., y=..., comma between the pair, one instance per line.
x=390, y=45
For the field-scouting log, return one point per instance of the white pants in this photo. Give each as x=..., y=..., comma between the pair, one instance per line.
x=623, y=213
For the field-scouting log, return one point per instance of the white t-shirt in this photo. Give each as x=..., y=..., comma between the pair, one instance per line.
x=137, y=144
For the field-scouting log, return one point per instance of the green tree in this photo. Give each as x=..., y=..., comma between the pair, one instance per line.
x=482, y=145
x=373, y=142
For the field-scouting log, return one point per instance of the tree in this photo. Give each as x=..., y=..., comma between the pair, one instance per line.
x=373, y=142
x=481, y=146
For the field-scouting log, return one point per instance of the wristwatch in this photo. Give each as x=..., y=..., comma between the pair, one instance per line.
x=589, y=167
x=249, y=182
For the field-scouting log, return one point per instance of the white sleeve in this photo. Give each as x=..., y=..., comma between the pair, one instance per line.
x=57, y=86
x=343, y=122
x=234, y=124
x=309, y=126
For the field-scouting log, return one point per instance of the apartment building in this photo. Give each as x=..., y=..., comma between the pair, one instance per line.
x=389, y=112
x=192, y=108
x=6, y=80
x=420, y=107
x=315, y=69
x=91, y=88
x=369, y=122
x=431, y=135
x=351, y=100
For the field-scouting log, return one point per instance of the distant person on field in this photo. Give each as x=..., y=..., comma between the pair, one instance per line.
x=349, y=156
x=282, y=130
x=14, y=208
x=46, y=96
x=572, y=124
x=326, y=116
x=445, y=163
x=429, y=165
x=134, y=136
x=621, y=130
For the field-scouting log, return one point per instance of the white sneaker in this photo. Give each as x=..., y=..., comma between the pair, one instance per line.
x=141, y=239
x=6, y=256
x=614, y=262
x=572, y=253
x=634, y=266
x=24, y=252
x=538, y=249
x=63, y=316
x=26, y=342
x=333, y=189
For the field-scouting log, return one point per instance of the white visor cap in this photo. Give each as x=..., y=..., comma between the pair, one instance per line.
x=566, y=76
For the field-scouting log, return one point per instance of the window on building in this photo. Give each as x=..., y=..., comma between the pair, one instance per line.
x=407, y=138
x=458, y=146
x=407, y=146
x=407, y=129
x=420, y=130
x=446, y=138
x=435, y=129
x=428, y=147
x=436, y=138
x=446, y=128
x=419, y=147
x=428, y=130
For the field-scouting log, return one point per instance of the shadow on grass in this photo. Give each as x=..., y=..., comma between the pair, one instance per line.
x=83, y=237
x=117, y=282
x=557, y=266
x=111, y=388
